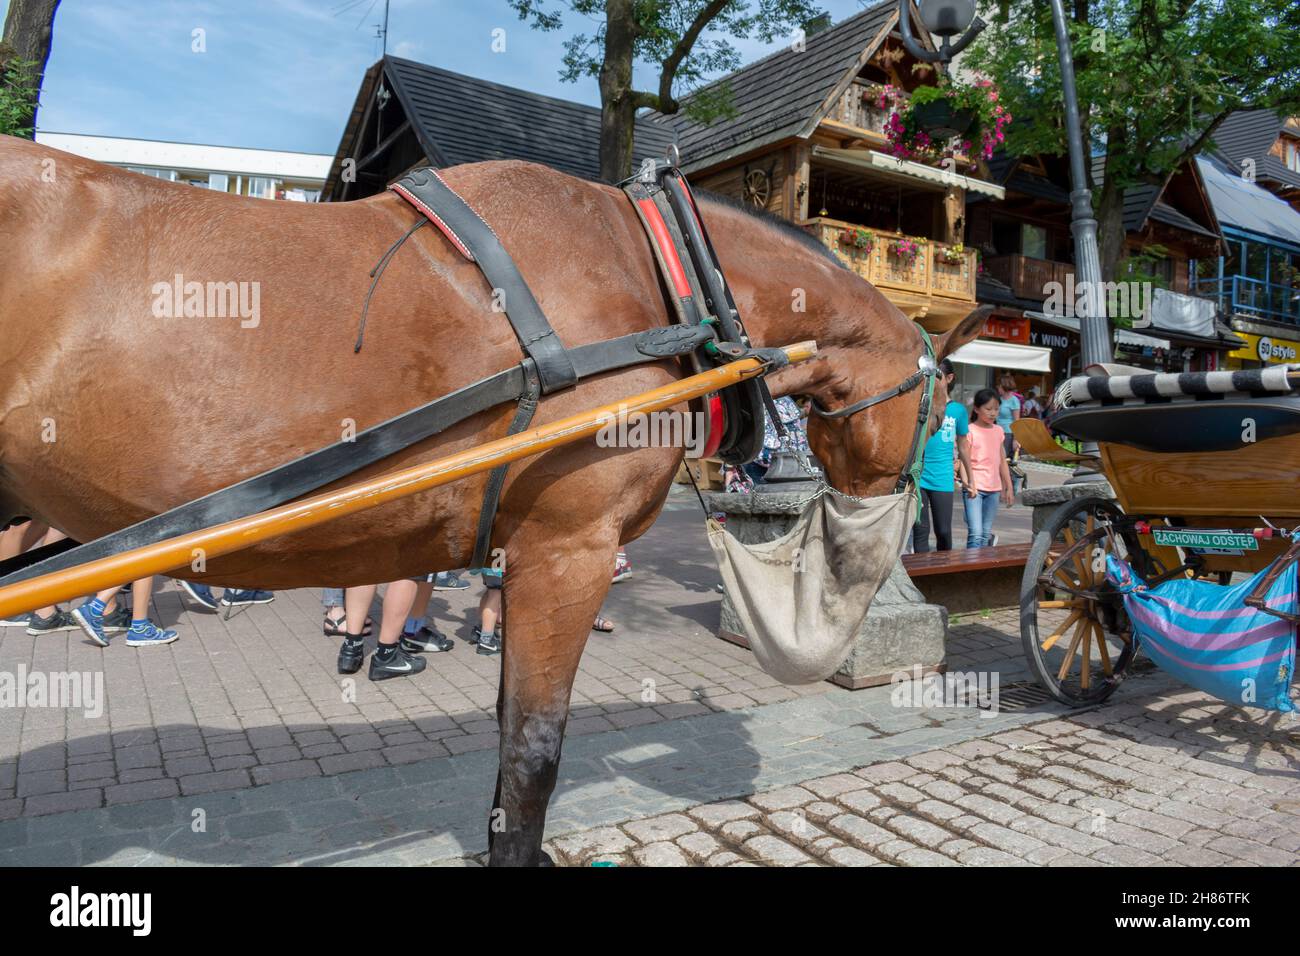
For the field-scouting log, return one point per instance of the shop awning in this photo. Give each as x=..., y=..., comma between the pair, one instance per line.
x=1122, y=336
x=1024, y=358
x=869, y=159
x=1125, y=337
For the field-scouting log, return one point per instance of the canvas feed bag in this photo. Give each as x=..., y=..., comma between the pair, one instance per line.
x=803, y=597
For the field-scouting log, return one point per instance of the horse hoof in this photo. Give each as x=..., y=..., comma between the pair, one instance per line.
x=544, y=858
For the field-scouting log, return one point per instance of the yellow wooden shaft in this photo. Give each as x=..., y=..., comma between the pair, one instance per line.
x=180, y=552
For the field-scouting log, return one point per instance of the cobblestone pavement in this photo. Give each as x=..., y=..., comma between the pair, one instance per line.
x=236, y=745
x=1182, y=781
x=256, y=699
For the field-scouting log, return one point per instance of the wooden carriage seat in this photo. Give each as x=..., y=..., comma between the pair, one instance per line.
x=1036, y=440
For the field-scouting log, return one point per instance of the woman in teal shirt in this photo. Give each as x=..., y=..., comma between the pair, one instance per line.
x=937, y=472
x=1008, y=412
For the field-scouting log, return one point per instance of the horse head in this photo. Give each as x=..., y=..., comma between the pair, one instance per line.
x=788, y=288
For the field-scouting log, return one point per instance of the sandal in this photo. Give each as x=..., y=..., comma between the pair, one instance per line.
x=337, y=627
x=602, y=625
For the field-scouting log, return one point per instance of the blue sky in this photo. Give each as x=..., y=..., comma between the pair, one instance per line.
x=278, y=74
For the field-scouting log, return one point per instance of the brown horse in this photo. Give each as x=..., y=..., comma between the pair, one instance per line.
x=115, y=405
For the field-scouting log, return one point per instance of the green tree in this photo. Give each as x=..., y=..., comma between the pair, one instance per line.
x=24, y=51
x=18, y=93
x=1156, y=79
x=684, y=40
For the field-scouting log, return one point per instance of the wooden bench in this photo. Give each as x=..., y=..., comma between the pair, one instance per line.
x=969, y=579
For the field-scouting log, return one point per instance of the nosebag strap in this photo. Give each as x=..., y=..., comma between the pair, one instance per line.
x=802, y=598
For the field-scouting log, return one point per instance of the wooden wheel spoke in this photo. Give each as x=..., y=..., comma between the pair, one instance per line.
x=1053, y=638
x=1104, y=652
x=1070, y=651
x=1063, y=580
x=1085, y=673
x=1073, y=601
x=1068, y=533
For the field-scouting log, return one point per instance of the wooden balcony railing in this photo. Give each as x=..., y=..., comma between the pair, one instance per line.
x=853, y=110
x=1028, y=277
x=928, y=273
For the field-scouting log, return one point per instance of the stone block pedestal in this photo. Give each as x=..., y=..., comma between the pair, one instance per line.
x=1046, y=500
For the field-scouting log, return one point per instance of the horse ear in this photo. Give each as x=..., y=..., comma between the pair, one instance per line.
x=964, y=331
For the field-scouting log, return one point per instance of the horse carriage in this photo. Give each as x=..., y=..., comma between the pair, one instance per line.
x=1204, y=469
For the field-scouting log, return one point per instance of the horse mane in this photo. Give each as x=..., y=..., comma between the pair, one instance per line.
x=781, y=225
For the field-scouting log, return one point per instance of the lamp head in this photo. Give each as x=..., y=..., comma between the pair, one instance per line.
x=946, y=18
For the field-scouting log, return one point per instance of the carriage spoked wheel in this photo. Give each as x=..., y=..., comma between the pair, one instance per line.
x=1076, y=635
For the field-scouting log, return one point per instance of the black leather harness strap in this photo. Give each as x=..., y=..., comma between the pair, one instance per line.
x=497, y=477
x=425, y=190
x=698, y=293
x=926, y=372
x=906, y=385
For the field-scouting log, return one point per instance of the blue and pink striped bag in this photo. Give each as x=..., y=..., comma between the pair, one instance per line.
x=1206, y=636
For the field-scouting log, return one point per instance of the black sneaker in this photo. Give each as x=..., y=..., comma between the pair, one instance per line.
x=488, y=643
x=426, y=639
x=237, y=598
x=119, y=622
x=400, y=664
x=58, y=621
x=351, y=653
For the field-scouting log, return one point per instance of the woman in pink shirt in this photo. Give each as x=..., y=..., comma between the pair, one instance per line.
x=990, y=476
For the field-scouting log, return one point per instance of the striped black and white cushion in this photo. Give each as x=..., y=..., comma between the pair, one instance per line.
x=1106, y=388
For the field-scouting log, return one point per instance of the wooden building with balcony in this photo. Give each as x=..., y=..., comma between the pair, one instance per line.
x=806, y=142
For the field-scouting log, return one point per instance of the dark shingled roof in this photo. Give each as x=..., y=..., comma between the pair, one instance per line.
x=1250, y=134
x=1163, y=212
x=1030, y=184
x=1001, y=165
x=777, y=96
x=462, y=119
x=1138, y=199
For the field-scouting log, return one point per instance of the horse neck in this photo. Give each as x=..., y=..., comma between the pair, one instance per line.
x=787, y=292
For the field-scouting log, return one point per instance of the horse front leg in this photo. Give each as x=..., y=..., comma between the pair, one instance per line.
x=552, y=594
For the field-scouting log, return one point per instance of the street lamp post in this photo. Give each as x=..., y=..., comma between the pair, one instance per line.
x=947, y=18
x=1094, y=330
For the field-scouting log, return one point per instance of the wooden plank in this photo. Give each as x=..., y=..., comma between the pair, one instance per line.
x=965, y=559
x=1257, y=478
